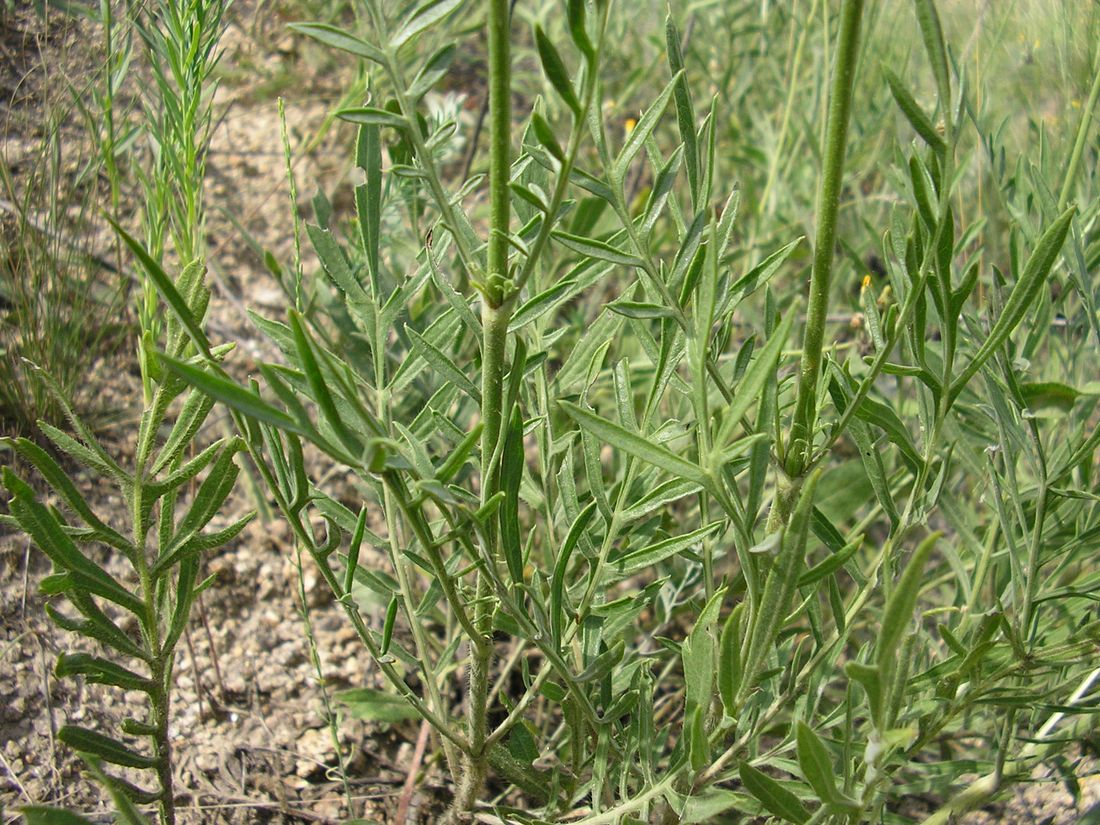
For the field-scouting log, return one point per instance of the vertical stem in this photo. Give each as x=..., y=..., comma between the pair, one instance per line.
x=496, y=312
x=840, y=104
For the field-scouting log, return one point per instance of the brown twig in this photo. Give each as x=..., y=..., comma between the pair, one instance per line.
x=410, y=780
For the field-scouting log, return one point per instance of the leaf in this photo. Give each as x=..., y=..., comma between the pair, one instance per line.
x=729, y=659
x=376, y=705
x=1021, y=299
x=339, y=39
x=556, y=73
x=46, y=815
x=635, y=444
x=106, y=748
x=932, y=32
x=235, y=396
x=779, y=587
x=99, y=671
x=914, y=114
x=372, y=116
x=652, y=554
x=596, y=249
x=643, y=129
x=898, y=613
x=685, y=113
x=698, y=653
x=750, y=387
x=776, y=799
x=640, y=311
x=426, y=16
x=817, y=765
x=55, y=476
x=511, y=474
x=432, y=71
x=443, y=364
x=46, y=531
x=831, y=564
x=167, y=291
x=561, y=568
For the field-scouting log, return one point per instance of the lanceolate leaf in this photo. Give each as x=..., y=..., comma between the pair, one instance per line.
x=1022, y=298
x=555, y=70
x=427, y=15
x=339, y=39
x=898, y=615
x=776, y=799
x=106, y=748
x=644, y=128
x=779, y=587
x=636, y=445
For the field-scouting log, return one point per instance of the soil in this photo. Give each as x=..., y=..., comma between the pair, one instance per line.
x=249, y=730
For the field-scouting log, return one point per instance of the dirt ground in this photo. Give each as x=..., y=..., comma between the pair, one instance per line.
x=251, y=743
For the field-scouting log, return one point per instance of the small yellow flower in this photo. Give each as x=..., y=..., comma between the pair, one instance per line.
x=866, y=282
x=630, y=124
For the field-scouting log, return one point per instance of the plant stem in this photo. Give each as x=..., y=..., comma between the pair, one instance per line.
x=840, y=104
x=496, y=313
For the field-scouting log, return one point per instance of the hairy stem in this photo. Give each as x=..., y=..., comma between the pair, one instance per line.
x=828, y=199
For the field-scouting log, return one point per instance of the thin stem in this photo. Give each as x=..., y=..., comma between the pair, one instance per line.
x=1082, y=138
x=805, y=415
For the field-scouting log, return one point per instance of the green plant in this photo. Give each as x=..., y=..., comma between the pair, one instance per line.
x=137, y=617
x=505, y=516
x=682, y=573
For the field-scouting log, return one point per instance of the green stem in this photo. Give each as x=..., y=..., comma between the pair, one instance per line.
x=1081, y=139
x=496, y=313
x=805, y=415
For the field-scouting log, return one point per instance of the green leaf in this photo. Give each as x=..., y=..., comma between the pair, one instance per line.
x=372, y=116
x=635, y=444
x=556, y=73
x=443, y=364
x=106, y=748
x=561, y=569
x=932, y=32
x=685, y=113
x=646, y=557
x=99, y=671
x=376, y=705
x=511, y=474
x=779, y=588
x=898, y=614
x=750, y=387
x=698, y=653
x=640, y=310
x=46, y=531
x=1021, y=299
x=46, y=815
x=339, y=39
x=643, y=129
x=426, y=16
x=236, y=397
x=914, y=114
x=167, y=291
x=61, y=484
x=830, y=564
x=432, y=71
x=776, y=799
x=596, y=249
x=729, y=659
x=817, y=765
